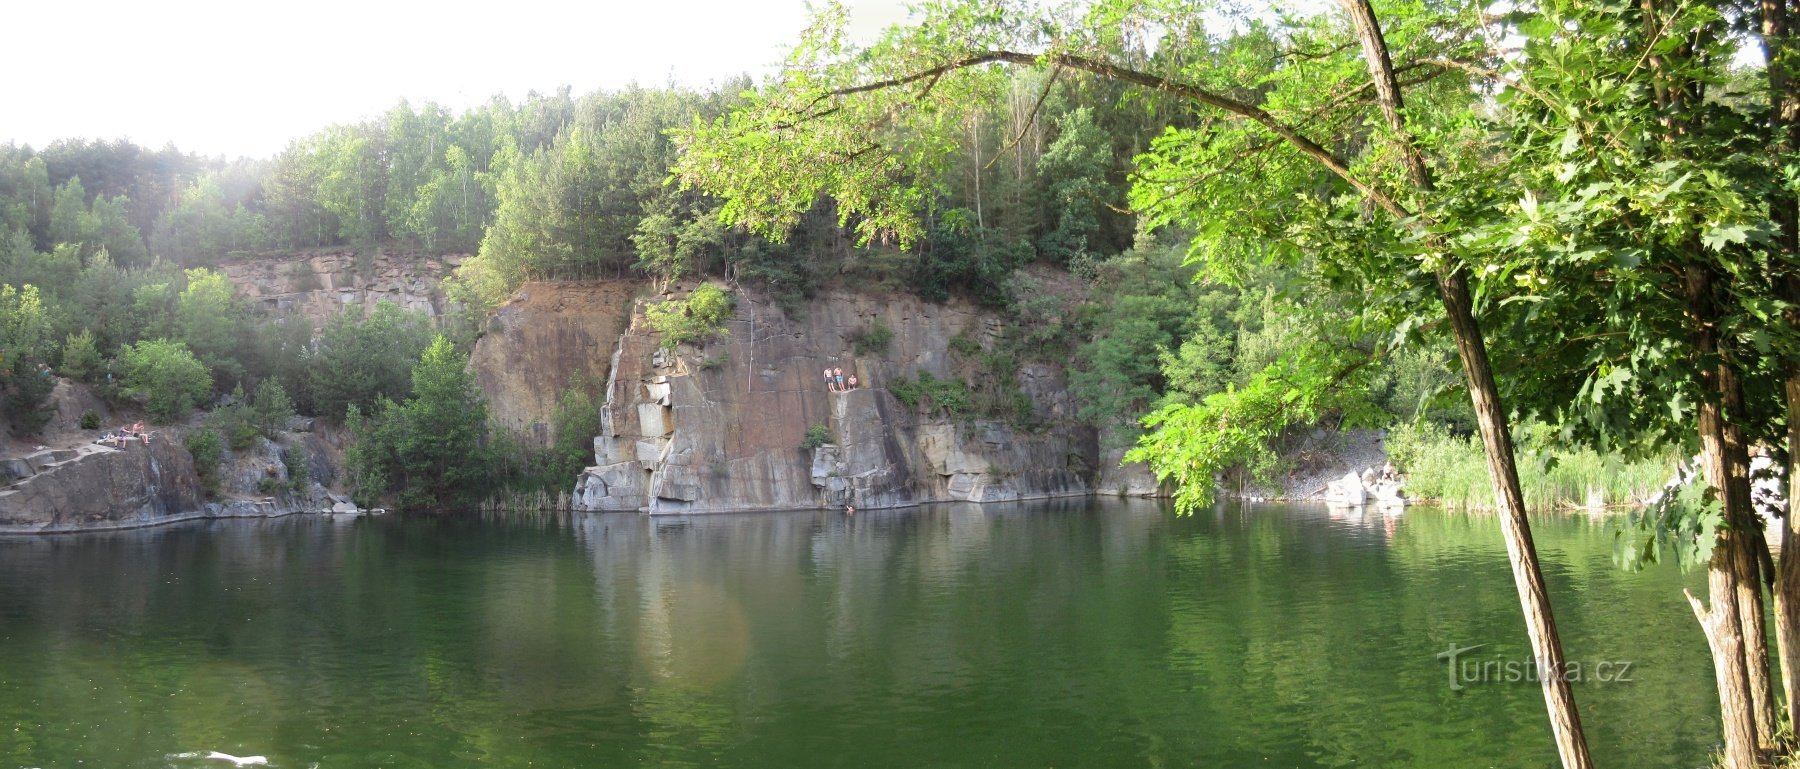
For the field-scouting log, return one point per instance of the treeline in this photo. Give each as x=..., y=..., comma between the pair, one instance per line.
x=1036, y=174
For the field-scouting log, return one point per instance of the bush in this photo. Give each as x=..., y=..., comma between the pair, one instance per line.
x=296, y=461
x=816, y=436
x=964, y=346
x=207, y=449
x=90, y=420
x=873, y=340
x=167, y=375
x=950, y=395
x=577, y=421
x=703, y=314
x=235, y=423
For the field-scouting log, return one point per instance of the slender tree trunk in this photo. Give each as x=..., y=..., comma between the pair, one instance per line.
x=1515, y=527
x=1723, y=624
x=1778, y=18
x=1787, y=571
x=1496, y=440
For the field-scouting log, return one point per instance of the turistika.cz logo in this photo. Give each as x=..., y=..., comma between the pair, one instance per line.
x=1465, y=668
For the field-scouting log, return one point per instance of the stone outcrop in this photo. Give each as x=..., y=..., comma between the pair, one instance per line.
x=93, y=487
x=718, y=426
x=98, y=487
x=319, y=285
x=548, y=337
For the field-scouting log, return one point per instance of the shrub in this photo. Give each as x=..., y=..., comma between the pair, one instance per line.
x=816, y=436
x=167, y=375
x=703, y=314
x=963, y=345
x=298, y=465
x=950, y=395
x=90, y=420
x=234, y=423
x=873, y=340
x=207, y=449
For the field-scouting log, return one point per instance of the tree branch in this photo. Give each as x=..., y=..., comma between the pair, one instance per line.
x=1187, y=91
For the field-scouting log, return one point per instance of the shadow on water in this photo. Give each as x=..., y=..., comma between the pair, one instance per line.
x=1063, y=632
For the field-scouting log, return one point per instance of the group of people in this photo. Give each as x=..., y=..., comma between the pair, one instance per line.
x=835, y=382
x=124, y=436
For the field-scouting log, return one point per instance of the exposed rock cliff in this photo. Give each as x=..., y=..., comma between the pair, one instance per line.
x=719, y=426
x=95, y=486
x=321, y=284
x=138, y=483
x=548, y=336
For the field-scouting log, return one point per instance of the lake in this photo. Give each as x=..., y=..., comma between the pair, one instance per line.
x=1077, y=633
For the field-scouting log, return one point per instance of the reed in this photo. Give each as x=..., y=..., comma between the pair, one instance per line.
x=1452, y=471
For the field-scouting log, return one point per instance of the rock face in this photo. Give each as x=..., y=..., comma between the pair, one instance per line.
x=94, y=487
x=99, y=487
x=718, y=426
x=549, y=336
x=320, y=285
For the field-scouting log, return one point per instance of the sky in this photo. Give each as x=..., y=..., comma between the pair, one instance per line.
x=242, y=79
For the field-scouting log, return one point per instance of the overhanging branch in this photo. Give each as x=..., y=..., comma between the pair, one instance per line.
x=1187, y=91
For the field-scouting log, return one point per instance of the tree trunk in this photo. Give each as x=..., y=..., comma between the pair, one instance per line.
x=1747, y=562
x=1787, y=571
x=1784, y=97
x=1723, y=624
x=1515, y=527
x=1496, y=440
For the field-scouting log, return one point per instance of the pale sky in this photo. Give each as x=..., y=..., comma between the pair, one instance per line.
x=243, y=78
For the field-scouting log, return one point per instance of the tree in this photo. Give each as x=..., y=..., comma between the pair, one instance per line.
x=170, y=379
x=1631, y=248
x=1073, y=170
x=207, y=319
x=864, y=126
x=80, y=358
x=363, y=358
x=431, y=449
x=69, y=213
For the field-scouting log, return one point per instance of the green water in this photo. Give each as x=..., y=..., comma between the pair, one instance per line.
x=1051, y=635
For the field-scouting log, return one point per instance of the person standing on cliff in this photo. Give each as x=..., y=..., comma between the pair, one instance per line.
x=838, y=373
x=828, y=387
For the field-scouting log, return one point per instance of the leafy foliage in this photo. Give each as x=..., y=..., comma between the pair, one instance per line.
x=207, y=449
x=872, y=340
x=701, y=315
x=948, y=395
x=430, y=450
x=363, y=358
x=816, y=435
x=170, y=379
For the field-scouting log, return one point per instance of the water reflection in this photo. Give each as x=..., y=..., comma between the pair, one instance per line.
x=1062, y=633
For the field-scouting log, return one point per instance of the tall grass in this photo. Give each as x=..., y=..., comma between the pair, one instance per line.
x=1452, y=470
